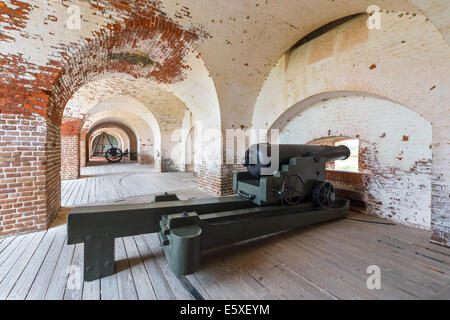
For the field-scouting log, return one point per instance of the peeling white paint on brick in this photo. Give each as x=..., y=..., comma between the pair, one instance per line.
x=400, y=171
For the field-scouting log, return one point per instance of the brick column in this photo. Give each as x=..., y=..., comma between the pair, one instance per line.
x=212, y=173
x=167, y=163
x=70, y=157
x=82, y=149
x=218, y=181
x=70, y=149
x=440, y=213
x=23, y=179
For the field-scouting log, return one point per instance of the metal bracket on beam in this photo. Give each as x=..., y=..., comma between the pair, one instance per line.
x=98, y=257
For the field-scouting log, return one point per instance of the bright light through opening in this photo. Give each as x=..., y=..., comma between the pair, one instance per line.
x=351, y=164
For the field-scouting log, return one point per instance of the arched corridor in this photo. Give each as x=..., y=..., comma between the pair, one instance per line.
x=112, y=109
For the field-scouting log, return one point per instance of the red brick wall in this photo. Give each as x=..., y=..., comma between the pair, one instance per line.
x=440, y=225
x=33, y=97
x=209, y=180
x=83, y=149
x=70, y=148
x=216, y=181
x=70, y=157
x=23, y=181
x=52, y=171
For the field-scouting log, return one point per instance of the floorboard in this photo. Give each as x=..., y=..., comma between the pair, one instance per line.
x=28, y=276
x=326, y=261
x=11, y=260
x=157, y=277
x=10, y=247
x=15, y=274
x=177, y=288
x=44, y=276
x=125, y=280
x=58, y=282
x=142, y=281
x=109, y=288
x=74, y=284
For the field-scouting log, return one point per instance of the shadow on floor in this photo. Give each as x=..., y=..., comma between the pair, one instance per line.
x=61, y=218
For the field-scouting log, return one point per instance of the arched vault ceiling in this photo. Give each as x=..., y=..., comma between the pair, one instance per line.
x=239, y=41
x=252, y=35
x=105, y=119
x=90, y=99
x=144, y=129
x=386, y=64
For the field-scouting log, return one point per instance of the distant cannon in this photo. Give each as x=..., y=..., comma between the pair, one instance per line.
x=113, y=154
x=116, y=155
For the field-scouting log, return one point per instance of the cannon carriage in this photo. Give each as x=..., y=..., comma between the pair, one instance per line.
x=112, y=154
x=283, y=188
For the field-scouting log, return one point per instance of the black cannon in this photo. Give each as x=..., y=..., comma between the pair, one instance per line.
x=112, y=154
x=294, y=195
x=288, y=174
x=262, y=155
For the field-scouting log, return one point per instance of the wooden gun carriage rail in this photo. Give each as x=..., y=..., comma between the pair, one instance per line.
x=185, y=227
x=98, y=226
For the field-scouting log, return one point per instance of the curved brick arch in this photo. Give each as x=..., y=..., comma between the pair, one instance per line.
x=118, y=135
x=74, y=130
x=126, y=95
x=138, y=118
x=395, y=155
x=149, y=46
x=141, y=48
x=304, y=104
x=408, y=63
x=127, y=130
x=133, y=142
x=196, y=93
x=199, y=98
x=135, y=106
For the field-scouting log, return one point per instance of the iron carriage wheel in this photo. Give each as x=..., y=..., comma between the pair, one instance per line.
x=114, y=155
x=292, y=189
x=323, y=194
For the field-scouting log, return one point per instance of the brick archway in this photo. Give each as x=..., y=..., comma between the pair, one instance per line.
x=130, y=133
x=393, y=158
x=125, y=50
x=353, y=63
x=121, y=47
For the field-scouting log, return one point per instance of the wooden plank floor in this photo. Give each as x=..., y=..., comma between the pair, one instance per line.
x=120, y=182
x=326, y=261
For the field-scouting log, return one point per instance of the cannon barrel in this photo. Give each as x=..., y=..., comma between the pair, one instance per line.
x=262, y=153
